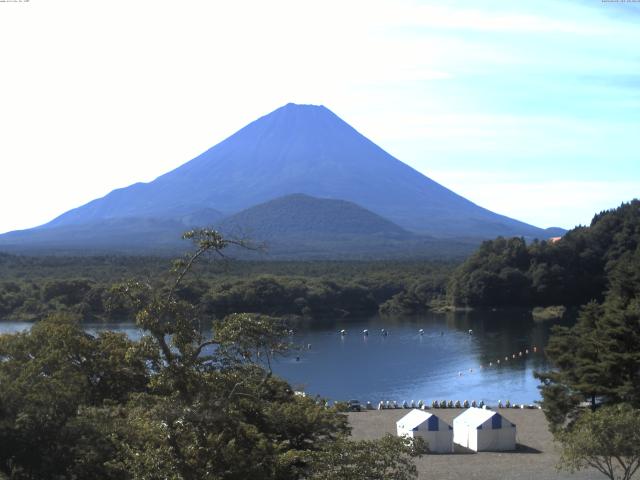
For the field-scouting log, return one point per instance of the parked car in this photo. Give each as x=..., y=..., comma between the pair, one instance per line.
x=354, y=405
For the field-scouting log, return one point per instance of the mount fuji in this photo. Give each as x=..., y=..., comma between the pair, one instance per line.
x=297, y=152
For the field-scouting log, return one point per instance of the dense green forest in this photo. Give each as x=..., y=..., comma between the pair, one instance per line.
x=177, y=404
x=74, y=405
x=595, y=363
x=572, y=271
x=501, y=273
x=33, y=287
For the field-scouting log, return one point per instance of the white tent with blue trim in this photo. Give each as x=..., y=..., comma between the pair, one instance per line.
x=437, y=434
x=481, y=430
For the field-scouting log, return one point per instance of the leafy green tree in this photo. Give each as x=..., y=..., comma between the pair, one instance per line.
x=182, y=403
x=607, y=440
x=50, y=374
x=578, y=374
x=222, y=414
x=597, y=360
x=390, y=458
x=67, y=292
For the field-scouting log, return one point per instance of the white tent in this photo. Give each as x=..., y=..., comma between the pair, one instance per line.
x=437, y=434
x=484, y=430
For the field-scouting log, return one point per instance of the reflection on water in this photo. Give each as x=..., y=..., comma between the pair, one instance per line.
x=443, y=363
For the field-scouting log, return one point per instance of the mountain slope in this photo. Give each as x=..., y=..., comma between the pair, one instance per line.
x=123, y=235
x=307, y=149
x=292, y=227
x=302, y=216
x=299, y=226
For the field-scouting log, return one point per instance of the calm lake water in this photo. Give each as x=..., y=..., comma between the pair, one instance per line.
x=441, y=364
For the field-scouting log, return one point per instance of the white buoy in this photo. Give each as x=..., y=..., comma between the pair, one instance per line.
x=343, y=332
x=421, y=331
x=365, y=332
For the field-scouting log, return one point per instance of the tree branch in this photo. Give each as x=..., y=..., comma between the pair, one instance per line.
x=203, y=345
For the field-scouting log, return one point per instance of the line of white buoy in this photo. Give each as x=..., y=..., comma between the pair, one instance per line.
x=498, y=362
x=514, y=356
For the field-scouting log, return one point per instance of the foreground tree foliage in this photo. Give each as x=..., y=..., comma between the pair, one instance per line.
x=178, y=404
x=387, y=459
x=607, y=440
x=50, y=377
x=598, y=359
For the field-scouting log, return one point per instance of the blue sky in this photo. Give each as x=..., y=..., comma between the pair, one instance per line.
x=528, y=108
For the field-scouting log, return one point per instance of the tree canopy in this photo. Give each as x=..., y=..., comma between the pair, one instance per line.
x=178, y=404
x=31, y=288
x=607, y=440
x=598, y=359
x=578, y=268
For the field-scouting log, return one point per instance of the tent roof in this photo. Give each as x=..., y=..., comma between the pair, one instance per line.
x=474, y=417
x=414, y=418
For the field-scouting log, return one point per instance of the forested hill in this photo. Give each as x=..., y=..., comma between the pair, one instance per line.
x=300, y=215
x=572, y=271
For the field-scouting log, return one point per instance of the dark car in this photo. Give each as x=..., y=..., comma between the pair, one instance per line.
x=354, y=406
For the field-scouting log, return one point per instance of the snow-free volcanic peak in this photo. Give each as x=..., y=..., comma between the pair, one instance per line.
x=299, y=149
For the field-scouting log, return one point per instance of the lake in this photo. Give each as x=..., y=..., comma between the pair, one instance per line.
x=446, y=362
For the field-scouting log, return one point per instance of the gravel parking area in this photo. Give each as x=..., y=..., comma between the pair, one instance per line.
x=535, y=458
